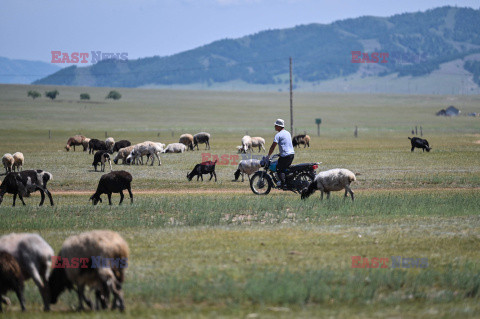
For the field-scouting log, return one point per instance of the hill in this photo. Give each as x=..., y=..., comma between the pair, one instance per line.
x=24, y=72
x=417, y=44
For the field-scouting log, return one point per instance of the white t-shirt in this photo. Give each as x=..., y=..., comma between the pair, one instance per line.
x=284, y=141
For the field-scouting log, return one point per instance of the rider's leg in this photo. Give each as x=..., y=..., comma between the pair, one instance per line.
x=283, y=164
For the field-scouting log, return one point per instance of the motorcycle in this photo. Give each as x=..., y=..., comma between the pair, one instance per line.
x=297, y=177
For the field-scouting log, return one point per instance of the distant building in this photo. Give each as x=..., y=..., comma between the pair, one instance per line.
x=450, y=111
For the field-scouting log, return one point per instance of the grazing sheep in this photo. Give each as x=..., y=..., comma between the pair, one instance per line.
x=419, y=143
x=113, y=182
x=146, y=148
x=107, y=254
x=203, y=168
x=239, y=149
x=85, y=144
x=121, y=144
x=11, y=278
x=8, y=161
x=258, y=142
x=18, y=161
x=123, y=154
x=187, y=140
x=175, y=148
x=101, y=157
x=248, y=167
x=34, y=256
x=110, y=142
x=301, y=139
x=96, y=145
x=201, y=138
x=25, y=182
x=331, y=181
x=76, y=140
x=246, y=143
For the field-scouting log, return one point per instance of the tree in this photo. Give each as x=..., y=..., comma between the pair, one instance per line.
x=33, y=94
x=84, y=96
x=114, y=95
x=52, y=94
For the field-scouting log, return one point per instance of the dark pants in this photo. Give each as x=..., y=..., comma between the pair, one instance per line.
x=284, y=163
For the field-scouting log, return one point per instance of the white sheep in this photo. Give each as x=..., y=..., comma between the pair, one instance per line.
x=239, y=149
x=85, y=144
x=246, y=143
x=331, y=181
x=123, y=154
x=18, y=161
x=34, y=255
x=109, y=249
x=258, y=142
x=248, y=167
x=110, y=142
x=146, y=148
x=8, y=161
x=175, y=148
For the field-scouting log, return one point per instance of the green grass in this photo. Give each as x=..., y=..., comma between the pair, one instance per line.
x=205, y=249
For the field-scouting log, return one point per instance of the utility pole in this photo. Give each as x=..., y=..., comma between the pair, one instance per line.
x=291, y=98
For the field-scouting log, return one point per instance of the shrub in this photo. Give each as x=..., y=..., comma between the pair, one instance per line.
x=84, y=96
x=33, y=94
x=52, y=94
x=114, y=95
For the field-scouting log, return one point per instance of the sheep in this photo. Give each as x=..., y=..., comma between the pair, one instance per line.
x=248, y=167
x=121, y=144
x=203, y=168
x=123, y=154
x=110, y=142
x=258, y=142
x=175, y=148
x=419, y=143
x=18, y=161
x=11, y=278
x=331, y=181
x=113, y=182
x=301, y=139
x=246, y=143
x=201, y=138
x=76, y=140
x=25, y=182
x=34, y=256
x=187, y=140
x=96, y=145
x=107, y=254
x=146, y=148
x=101, y=157
x=85, y=144
x=8, y=162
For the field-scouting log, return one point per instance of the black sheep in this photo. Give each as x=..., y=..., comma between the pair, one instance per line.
x=113, y=182
x=121, y=144
x=25, y=182
x=96, y=145
x=11, y=278
x=101, y=157
x=419, y=143
x=203, y=168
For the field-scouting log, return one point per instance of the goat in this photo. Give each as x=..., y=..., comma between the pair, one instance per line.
x=203, y=168
x=419, y=143
x=25, y=182
x=301, y=139
x=101, y=157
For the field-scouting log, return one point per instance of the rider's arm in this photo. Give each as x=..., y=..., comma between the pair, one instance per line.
x=272, y=148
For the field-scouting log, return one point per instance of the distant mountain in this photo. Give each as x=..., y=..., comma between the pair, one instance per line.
x=23, y=71
x=417, y=44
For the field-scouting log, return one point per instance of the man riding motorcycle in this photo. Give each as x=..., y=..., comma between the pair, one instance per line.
x=284, y=141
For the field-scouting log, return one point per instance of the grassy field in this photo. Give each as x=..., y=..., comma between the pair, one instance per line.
x=205, y=249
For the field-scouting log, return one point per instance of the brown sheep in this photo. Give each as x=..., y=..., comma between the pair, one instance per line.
x=301, y=139
x=11, y=278
x=187, y=140
x=76, y=140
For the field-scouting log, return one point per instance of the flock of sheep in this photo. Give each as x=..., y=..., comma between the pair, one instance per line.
x=96, y=259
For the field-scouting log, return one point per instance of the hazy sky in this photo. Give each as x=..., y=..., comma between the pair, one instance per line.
x=31, y=29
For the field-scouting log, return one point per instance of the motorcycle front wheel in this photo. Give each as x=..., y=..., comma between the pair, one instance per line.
x=260, y=183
